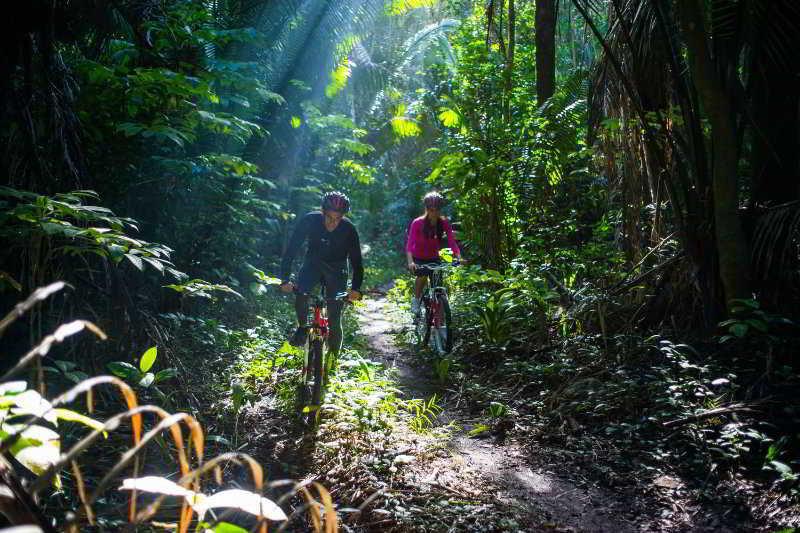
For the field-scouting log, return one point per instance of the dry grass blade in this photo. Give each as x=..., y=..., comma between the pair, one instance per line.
x=88, y=385
x=171, y=422
x=314, y=512
x=112, y=424
x=61, y=333
x=331, y=523
x=36, y=296
x=76, y=471
x=193, y=478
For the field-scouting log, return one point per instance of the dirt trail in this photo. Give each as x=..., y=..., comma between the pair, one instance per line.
x=497, y=477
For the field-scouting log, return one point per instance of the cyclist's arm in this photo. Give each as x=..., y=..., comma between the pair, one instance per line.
x=451, y=240
x=295, y=242
x=355, y=261
x=411, y=242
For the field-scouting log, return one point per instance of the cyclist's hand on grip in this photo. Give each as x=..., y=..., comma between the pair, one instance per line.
x=412, y=267
x=353, y=296
x=287, y=287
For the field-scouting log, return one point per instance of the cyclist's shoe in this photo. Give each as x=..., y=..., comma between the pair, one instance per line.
x=299, y=337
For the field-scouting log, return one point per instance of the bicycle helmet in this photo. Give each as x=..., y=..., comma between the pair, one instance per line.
x=433, y=200
x=336, y=201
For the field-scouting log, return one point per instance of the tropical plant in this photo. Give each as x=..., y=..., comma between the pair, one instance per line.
x=28, y=424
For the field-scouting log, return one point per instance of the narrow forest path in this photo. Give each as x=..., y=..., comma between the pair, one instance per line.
x=389, y=470
x=488, y=485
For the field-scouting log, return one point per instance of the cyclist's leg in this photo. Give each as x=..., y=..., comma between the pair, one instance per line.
x=419, y=285
x=421, y=280
x=307, y=279
x=335, y=324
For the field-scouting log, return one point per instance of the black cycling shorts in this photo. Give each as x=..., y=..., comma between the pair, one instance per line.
x=421, y=270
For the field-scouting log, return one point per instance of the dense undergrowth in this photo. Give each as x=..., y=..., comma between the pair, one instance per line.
x=630, y=408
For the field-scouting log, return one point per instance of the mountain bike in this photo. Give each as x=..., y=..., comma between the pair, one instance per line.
x=433, y=323
x=315, y=365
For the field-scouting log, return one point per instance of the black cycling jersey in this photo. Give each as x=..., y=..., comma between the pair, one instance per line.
x=324, y=247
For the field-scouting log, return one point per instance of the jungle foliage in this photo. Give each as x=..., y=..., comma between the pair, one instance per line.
x=623, y=176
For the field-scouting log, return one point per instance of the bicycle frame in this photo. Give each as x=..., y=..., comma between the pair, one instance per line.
x=315, y=364
x=435, y=283
x=436, y=308
x=318, y=329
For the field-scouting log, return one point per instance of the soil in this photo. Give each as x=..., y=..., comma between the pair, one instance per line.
x=500, y=475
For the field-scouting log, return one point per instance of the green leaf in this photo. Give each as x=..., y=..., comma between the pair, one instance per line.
x=123, y=370
x=13, y=387
x=740, y=329
x=148, y=358
x=225, y=527
x=72, y=416
x=339, y=77
x=780, y=467
x=158, y=265
x=478, y=430
x=449, y=118
x=760, y=325
x=296, y=122
x=167, y=373
x=37, y=449
x=405, y=127
x=136, y=260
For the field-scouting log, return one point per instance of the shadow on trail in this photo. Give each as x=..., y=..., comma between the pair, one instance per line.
x=494, y=475
x=445, y=480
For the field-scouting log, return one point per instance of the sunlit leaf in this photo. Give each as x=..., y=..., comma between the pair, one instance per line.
x=243, y=500
x=401, y=7
x=296, y=122
x=405, y=127
x=13, y=387
x=37, y=448
x=157, y=485
x=225, y=527
x=449, y=118
x=30, y=402
x=339, y=77
x=147, y=379
x=148, y=358
x=72, y=416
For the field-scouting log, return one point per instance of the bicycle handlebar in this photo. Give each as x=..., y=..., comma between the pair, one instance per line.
x=437, y=266
x=338, y=297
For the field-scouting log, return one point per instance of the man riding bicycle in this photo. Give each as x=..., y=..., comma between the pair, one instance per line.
x=332, y=241
x=425, y=238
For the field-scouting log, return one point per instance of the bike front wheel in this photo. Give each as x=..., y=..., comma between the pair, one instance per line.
x=422, y=328
x=441, y=331
x=317, y=368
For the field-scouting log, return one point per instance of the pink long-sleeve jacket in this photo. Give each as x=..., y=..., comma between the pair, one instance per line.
x=427, y=248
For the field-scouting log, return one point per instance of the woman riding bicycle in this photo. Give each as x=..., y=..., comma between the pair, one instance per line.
x=332, y=240
x=425, y=238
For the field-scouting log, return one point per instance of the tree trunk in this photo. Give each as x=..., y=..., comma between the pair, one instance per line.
x=545, y=49
x=508, y=71
x=732, y=248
